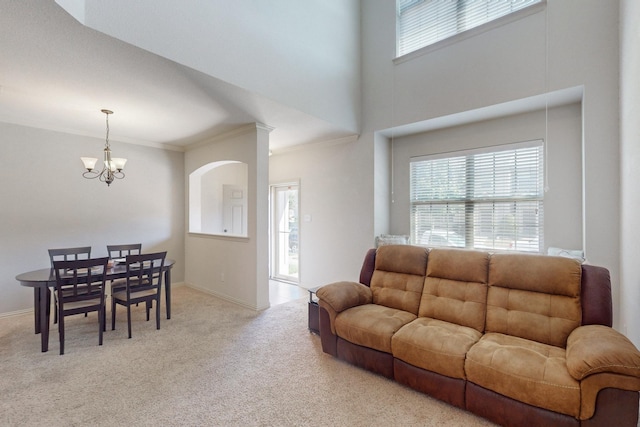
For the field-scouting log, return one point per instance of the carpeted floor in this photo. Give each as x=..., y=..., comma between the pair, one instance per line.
x=212, y=364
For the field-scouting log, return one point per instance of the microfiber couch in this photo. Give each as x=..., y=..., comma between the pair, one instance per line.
x=522, y=340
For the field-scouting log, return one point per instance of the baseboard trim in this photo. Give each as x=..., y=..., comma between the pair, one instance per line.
x=225, y=297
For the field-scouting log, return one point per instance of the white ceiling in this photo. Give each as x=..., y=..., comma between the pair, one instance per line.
x=57, y=74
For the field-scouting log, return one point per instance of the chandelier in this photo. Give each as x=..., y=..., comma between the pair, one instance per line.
x=112, y=168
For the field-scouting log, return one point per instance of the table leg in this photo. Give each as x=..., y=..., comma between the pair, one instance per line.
x=45, y=303
x=167, y=281
x=36, y=309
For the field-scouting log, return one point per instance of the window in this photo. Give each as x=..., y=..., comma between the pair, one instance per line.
x=421, y=23
x=484, y=199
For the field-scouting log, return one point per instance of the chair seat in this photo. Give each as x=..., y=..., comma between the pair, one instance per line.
x=74, y=305
x=122, y=295
x=81, y=290
x=525, y=370
x=121, y=284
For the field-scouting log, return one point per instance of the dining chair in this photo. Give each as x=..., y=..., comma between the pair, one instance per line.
x=80, y=286
x=143, y=284
x=66, y=254
x=118, y=252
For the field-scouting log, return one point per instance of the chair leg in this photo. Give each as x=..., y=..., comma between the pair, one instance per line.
x=101, y=320
x=148, y=307
x=158, y=313
x=61, y=332
x=113, y=314
x=129, y=318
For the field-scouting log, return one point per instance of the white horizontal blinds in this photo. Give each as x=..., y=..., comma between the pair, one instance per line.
x=480, y=199
x=425, y=22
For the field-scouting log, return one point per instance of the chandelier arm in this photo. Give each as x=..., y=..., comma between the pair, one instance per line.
x=92, y=174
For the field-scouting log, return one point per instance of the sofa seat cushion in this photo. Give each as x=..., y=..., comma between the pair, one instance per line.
x=435, y=345
x=524, y=370
x=371, y=325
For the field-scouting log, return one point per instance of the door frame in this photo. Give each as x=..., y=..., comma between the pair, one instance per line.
x=274, y=231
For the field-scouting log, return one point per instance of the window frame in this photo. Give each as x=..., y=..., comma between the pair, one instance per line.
x=459, y=36
x=458, y=213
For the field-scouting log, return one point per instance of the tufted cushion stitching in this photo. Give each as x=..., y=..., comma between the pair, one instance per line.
x=459, y=302
x=525, y=288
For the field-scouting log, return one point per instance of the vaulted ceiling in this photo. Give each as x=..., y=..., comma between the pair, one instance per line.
x=57, y=74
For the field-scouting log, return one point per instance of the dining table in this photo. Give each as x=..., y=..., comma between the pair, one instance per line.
x=44, y=279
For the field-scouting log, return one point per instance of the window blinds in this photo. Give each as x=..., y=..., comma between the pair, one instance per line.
x=479, y=199
x=425, y=22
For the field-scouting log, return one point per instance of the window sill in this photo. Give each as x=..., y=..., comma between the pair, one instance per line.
x=227, y=237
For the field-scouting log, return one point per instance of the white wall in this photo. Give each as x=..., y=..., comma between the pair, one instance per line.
x=304, y=54
x=234, y=268
x=629, y=170
x=336, y=189
x=511, y=63
x=47, y=204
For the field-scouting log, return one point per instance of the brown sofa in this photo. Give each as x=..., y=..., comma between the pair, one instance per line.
x=521, y=340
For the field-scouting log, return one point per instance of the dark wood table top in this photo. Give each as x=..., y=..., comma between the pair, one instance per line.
x=46, y=276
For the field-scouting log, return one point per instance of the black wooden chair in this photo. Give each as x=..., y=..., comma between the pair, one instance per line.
x=143, y=284
x=80, y=286
x=119, y=252
x=66, y=254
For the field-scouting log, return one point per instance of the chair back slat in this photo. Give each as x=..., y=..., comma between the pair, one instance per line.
x=69, y=254
x=78, y=280
x=144, y=271
x=121, y=251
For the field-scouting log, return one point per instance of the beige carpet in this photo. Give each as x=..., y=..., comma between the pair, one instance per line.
x=212, y=364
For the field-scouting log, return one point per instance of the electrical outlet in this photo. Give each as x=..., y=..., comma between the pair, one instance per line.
x=222, y=277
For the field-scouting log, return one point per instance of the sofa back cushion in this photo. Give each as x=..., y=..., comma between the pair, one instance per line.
x=455, y=289
x=535, y=297
x=399, y=276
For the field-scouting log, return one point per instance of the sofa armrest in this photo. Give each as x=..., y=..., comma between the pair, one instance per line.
x=339, y=296
x=594, y=349
x=343, y=295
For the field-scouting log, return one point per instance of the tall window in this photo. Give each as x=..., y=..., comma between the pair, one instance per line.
x=421, y=23
x=485, y=199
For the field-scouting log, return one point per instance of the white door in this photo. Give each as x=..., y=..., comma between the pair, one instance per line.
x=285, y=238
x=234, y=210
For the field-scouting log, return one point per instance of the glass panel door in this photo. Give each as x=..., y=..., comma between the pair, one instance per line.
x=285, y=232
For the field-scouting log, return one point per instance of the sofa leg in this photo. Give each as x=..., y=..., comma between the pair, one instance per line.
x=328, y=339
